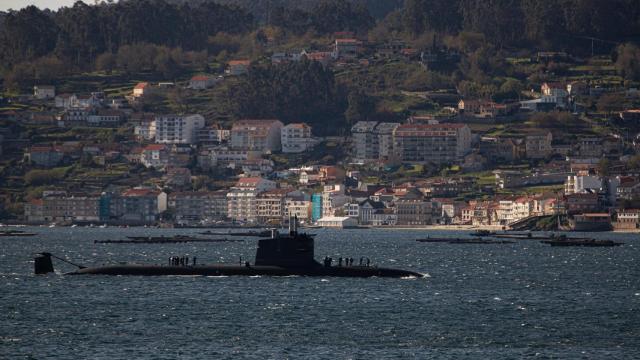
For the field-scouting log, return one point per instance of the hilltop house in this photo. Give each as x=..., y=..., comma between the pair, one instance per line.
x=43, y=92
x=201, y=82
x=238, y=67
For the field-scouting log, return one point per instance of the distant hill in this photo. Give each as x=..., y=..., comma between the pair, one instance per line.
x=260, y=8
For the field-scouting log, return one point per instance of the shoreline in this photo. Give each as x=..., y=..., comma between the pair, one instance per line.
x=410, y=228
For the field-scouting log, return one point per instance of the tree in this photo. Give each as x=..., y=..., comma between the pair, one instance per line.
x=604, y=167
x=106, y=62
x=628, y=61
x=610, y=103
x=361, y=107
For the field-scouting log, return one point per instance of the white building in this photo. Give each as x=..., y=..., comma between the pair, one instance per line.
x=178, y=129
x=372, y=140
x=145, y=130
x=341, y=222
x=296, y=138
x=333, y=198
x=42, y=92
x=298, y=206
x=436, y=143
x=257, y=135
x=241, y=199
x=156, y=155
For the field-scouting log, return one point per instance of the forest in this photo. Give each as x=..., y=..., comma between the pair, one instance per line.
x=79, y=34
x=172, y=39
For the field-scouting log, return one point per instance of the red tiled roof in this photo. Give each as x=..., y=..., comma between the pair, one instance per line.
x=140, y=192
x=155, y=147
x=249, y=181
x=239, y=62
x=141, y=85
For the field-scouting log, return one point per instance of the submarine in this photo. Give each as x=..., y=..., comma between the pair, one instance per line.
x=290, y=254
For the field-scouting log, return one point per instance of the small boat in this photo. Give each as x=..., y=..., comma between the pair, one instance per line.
x=483, y=233
x=582, y=242
x=464, y=241
x=163, y=240
x=16, y=233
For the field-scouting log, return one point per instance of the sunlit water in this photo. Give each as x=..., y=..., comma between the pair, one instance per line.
x=481, y=301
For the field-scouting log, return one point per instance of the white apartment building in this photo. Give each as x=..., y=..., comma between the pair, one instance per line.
x=178, y=129
x=435, y=143
x=333, y=198
x=296, y=138
x=241, y=199
x=297, y=206
x=372, y=140
x=257, y=135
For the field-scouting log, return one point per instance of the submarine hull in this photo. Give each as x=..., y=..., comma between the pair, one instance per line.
x=253, y=270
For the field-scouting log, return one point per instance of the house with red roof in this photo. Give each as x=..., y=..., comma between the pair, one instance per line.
x=141, y=89
x=202, y=82
x=155, y=155
x=238, y=67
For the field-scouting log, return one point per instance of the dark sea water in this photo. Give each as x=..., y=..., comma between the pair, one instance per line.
x=523, y=300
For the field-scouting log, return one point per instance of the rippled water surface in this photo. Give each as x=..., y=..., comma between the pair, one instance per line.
x=480, y=301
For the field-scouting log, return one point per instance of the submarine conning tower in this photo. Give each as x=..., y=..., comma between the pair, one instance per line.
x=291, y=250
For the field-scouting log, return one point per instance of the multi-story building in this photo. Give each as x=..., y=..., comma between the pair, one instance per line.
x=270, y=206
x=538, y=146
x=432, y=143
x=156, y=155
x=333, y=198
x=299, y=206
x=256, y=135
x=581, y=183
x=582, y=203
x=414, y=209
x=242, y=205
x=198, y=208
x=372, y=140
x=45, y=156
x=178, y=129
x=365, y=142
x=212, y=135
x=145, y=129
x=316, y=206
x=137, y=206
x=63, y=208
x=296, y=138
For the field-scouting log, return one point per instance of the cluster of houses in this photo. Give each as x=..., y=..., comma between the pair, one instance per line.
x=341, y=199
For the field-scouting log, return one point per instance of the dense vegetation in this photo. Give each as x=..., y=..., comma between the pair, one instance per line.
x=299, y=91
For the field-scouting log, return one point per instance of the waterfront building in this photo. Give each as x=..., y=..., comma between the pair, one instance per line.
x=242, y=205
x=199, y=208
x=137, y=206
x=316, y=206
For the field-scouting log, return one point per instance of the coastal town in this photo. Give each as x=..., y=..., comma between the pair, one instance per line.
x=553, y=150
